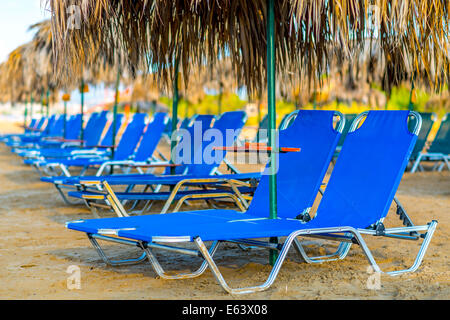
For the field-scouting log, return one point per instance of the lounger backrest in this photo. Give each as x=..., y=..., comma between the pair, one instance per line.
x=300, y=174
x=73, y=127
x=185, y=123
x=108, y=137
x=262, y=134
x=151, y=137
x=32, y=124
x=57, y=128
x=94, y=128
x=225, y=132
x=441, y=143
x=130, y=137
x=40, y=123
x=349, y=117
x=368, y=171
x=49, y=124
x=190, y=140
x=427, y=124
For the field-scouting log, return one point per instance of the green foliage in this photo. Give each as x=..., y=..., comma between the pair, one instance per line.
x=400, y=97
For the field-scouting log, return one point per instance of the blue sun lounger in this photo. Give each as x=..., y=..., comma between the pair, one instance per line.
x=198, y=167
x=203, y=121
x=73, y=129
x=92, y=132
x=70, y=148
x=294, y=137
x=29, y=131
x=439, y=150
x=355, y=203
x=30, y=140
x=124, y=150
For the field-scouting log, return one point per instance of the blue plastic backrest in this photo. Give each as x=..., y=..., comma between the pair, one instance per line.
x=368, y=171
x=225, y=131
x=151, y=137
x=130, y=137
x=107, y=139
x=441, y=143
x=299, y=174
x=190, y=140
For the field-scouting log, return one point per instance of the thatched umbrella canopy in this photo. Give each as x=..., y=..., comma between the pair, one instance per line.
x=261, y=37
x=197, y=30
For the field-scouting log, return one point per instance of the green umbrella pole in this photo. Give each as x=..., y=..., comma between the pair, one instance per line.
x=31, y=105
x=116, y=104
x=114, y=124
x=25, y=116
x=220, y=99
x=272, y=117
x=47, y=102
x=411, y=104
x=42, y=104
x=174, y=113
x=65, y=119
x=82, y=110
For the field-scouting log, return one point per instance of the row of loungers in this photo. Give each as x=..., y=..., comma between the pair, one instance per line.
x=354, y=202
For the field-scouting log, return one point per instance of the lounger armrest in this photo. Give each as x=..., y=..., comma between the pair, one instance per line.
x=103, y=147
x=257, y=147
x=153, y=165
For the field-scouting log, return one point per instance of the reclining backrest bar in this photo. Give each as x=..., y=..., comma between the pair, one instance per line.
x=300, y=174
x=441, y=143
x=369, y=169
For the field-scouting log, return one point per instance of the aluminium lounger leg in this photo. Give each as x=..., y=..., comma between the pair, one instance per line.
x=114, y=263
x=417, y=163
x=163, y=274
x=340, y=253
x=290, y=239
x=430, y=228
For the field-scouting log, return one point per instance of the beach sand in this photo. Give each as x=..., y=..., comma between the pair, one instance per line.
x=36, y=251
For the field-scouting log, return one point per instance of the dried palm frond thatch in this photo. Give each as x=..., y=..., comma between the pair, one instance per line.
x=308, y=34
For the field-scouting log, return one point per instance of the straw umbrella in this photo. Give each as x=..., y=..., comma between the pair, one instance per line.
x=261, y=37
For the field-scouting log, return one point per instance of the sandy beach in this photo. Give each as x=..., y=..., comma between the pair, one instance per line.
x=36, y=251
